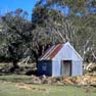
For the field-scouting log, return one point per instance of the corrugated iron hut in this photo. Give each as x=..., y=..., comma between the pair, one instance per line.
x=60, y=60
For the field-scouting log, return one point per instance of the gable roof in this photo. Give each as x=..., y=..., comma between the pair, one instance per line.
x=51, y=52
x=68, y=44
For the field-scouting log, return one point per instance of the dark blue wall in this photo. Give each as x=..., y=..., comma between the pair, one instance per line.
x=44, y=67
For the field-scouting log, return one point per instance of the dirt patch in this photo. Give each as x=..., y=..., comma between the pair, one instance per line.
x=29, y=87
x=23, y=86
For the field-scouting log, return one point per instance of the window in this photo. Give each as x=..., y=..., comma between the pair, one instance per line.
x=44, y=67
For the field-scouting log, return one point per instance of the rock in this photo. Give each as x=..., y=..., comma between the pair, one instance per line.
x=77, y=80
x=36, y=80
x=67, y=80
x=59, y=83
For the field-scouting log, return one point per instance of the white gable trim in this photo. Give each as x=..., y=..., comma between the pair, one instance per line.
x=69, y=45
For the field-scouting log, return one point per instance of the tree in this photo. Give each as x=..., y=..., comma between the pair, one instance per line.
x=23, y=40
x=15, y=36
x=78, y=29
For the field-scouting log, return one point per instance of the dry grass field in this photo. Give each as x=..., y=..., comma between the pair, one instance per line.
x=10, y=88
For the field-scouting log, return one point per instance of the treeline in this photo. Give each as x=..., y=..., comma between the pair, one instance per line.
x=26, y=40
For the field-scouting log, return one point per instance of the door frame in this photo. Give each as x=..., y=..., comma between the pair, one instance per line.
x=62, y=62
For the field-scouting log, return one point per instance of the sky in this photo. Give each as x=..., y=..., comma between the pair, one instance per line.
x=27, y=5
x=11, y=5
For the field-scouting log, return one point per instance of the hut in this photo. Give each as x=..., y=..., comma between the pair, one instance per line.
x=60, y=60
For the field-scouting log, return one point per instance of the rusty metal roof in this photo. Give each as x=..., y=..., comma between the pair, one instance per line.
x=51, y=52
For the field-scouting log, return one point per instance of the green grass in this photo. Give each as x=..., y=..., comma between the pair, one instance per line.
x=11, y=89
x=14, y=85
x=16, y=78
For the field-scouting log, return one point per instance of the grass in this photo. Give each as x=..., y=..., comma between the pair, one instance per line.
x=21, y=89
x=16, y=78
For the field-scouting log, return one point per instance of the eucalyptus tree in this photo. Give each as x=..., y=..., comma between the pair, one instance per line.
x=16, y=36
x=76, y=27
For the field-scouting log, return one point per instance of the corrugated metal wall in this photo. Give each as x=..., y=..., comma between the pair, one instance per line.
x=56, y=66
x=44, y=67
x=76, y=68
x=66, y=53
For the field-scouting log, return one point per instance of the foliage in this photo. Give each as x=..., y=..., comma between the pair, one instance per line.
x=15, y=36
x=22, y=40
x=78, y=29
